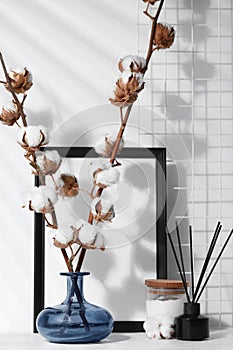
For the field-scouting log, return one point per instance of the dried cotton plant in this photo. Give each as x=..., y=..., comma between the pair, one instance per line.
x=75, y=240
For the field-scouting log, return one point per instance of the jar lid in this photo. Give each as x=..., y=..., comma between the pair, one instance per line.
x=167, y=284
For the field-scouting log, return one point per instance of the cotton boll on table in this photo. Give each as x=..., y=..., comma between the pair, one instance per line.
x=159, y=327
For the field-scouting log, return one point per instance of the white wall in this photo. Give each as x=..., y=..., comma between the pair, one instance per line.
x=72, y=48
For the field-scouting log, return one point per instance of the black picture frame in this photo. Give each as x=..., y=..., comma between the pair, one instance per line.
x=159, y=155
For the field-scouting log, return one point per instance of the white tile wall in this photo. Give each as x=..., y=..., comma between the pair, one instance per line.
x=189, y=91
x=191, y=98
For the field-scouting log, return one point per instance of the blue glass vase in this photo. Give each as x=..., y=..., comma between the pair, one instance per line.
x=75, y=320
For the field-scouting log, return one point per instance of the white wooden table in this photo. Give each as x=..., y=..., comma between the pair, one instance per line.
x=219, y=340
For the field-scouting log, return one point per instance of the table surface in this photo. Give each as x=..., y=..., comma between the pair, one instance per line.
x=219, y=340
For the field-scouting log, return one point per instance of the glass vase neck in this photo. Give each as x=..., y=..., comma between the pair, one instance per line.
x=74, y=284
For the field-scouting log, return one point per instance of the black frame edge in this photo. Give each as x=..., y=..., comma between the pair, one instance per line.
x=39, y=263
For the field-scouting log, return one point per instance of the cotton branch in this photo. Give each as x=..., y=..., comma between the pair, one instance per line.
x=16, y=100
x=152, y=34
x=124, y=121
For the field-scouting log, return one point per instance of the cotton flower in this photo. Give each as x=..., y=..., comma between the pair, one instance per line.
x=131, y=63
x=88, y=237
x=127, y=88
x=151, y=327
x=21, y=80
x=104, y=178
x=105, y=144
x=48, y=162
x=164, y=36
x=33, y=137
x=10, y=114
x=102, y=210
x=41, y=199
x=68, y=186
x=159, y=326
x=63, y=238
x=166, y=331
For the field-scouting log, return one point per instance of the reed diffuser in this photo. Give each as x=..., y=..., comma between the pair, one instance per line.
x=192, y=325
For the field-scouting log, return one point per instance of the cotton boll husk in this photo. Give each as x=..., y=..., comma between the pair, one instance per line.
x=87, y=234
x=107, y=177
x=19, y=70
x=33, y=135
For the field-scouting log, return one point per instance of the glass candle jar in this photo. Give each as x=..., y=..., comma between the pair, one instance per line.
x=164, y=297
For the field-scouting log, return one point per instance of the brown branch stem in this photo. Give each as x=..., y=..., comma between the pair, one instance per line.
x=120, y=134
x=16, y=100
x=152, y=34
x=64, y=253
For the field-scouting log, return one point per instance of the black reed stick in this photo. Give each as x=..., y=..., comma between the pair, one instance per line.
x=180, y=250
x=191, y=260
x=216, y=261
x=179, y=268
x=207, y=259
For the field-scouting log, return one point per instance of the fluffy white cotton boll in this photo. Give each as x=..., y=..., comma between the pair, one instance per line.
x=151, y=327
x=125, y=76
x=33, y=136
x=100, y=241
x=139, y=60
x=53, y=156
x=154, y=334
x=139, y=77
x=105, y=205
x=150, y=323
x=133, y=63
x=64, y=236
x=87, y=234
x=48, y=193
x=105, y=144
x=126, y=62
x=166, y=331
x=41, y=198
x=107, y=177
